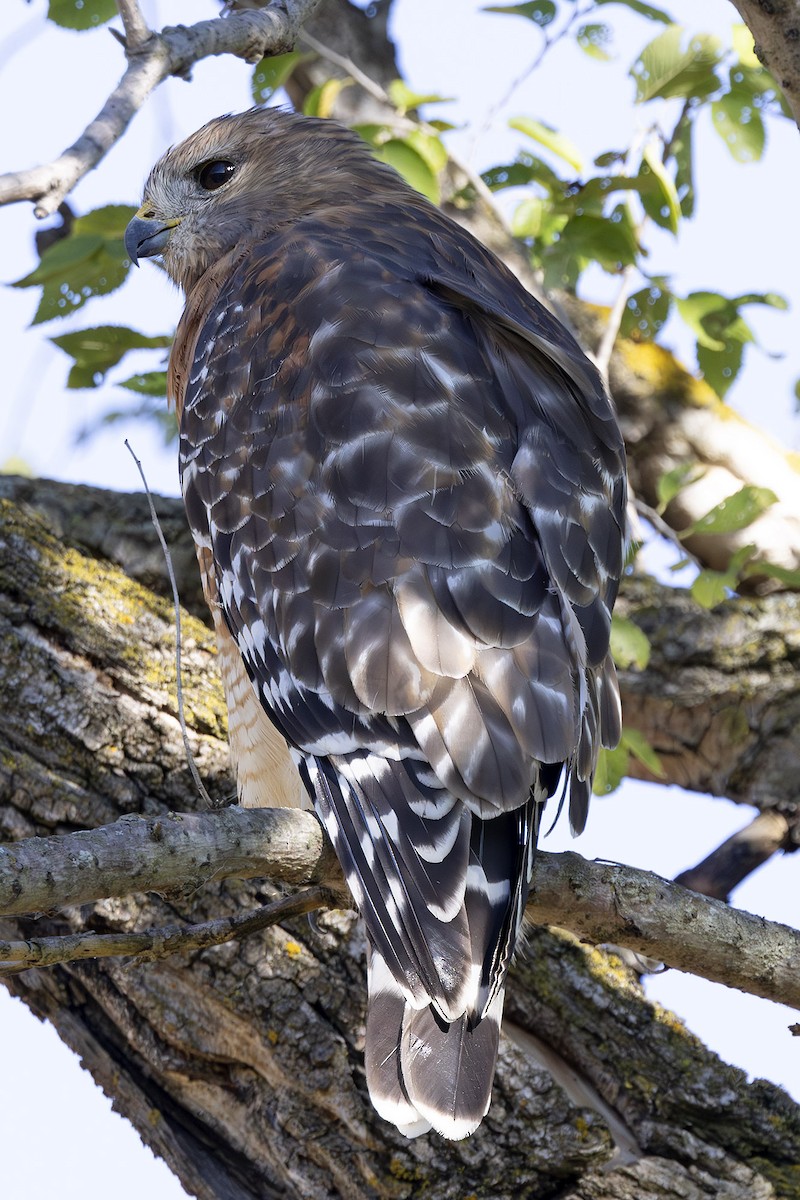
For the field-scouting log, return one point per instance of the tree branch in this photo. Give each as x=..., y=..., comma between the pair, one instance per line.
x=602, y=902
x=174, y=51
x=776, y=31
x=738, y=856
x=179, y=851
x=136, y=28
x=153, y=944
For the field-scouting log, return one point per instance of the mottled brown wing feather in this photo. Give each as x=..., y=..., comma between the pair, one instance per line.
x=412, y=485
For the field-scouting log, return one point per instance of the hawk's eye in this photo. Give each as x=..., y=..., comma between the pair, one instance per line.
x=212, y=175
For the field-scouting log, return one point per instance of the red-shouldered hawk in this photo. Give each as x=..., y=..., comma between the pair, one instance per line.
x=406, y=484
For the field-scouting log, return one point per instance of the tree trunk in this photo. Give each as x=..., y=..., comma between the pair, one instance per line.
x=241, y=1064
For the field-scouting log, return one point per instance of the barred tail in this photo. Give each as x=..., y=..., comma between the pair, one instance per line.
x=423, y=1072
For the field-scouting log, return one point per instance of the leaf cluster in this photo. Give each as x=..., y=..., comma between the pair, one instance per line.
x=573, y=219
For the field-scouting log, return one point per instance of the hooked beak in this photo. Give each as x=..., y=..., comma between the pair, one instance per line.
x=146, y=235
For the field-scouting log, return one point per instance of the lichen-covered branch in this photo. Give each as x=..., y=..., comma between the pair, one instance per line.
x=174, y=51
x=598, y=901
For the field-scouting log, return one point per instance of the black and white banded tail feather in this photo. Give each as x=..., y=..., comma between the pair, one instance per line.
x=425, y=1073
x=443, y=893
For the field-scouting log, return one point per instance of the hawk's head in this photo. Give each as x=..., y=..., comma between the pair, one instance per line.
x=241, y=177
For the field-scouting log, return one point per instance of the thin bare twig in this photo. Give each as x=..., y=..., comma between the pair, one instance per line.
x=666, y=531
x=152, y=944
x=176, y=600
x=370, y=86
x=174, y=51
x=602, y=356
x=547, y=45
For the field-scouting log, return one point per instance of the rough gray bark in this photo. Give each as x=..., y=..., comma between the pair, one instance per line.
x=240, y=1064
x=775, y=26
x=720, y=699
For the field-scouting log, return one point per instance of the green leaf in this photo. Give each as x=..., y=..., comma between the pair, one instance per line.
x=429, y=147
x=721, y=367
x=411, y=165
x=667, y=208
x=630, y=647
x=609, y=243
x=736, y=512
x=273, y=72
x=320, y=100
x=548, y=137
x=60, y=258
x=92, y=261
x=672, y=483
x=612, y=767
x=374, y=134
x=151, y=383
x=640, y=748
x=740, y=125
x=665, y=69
x=710, y=588
x=767, y=95
x=528, y=217
x=722, y=332
x=695, y=309
x=771, y=299
x=95, y=351
x=81, y=14
x=541, y=12
x=593, y=40
x=403, y=98
x=110, y=222
x=681, y=147
x=646, y=313
x=611, y=158
x=644, y=10
x=526, y=169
